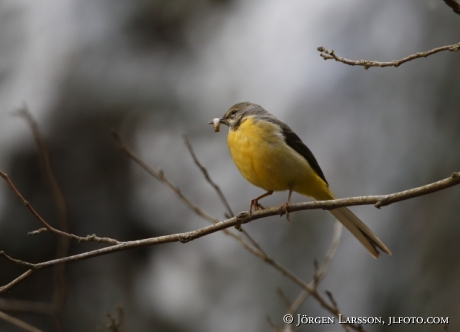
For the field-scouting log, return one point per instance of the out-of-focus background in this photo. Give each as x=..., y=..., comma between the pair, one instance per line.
x=156, y=70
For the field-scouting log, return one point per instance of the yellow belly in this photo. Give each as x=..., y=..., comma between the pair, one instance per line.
x=264, y=159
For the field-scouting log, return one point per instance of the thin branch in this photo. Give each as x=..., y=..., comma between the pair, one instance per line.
x=16, y=261
x=273, y=325
x=45, y=161
x=330, y=54
x=255, y=249
x=159, y=175
x=312, y=291
x=243, y=218
x=19, y=323
x=356, y=327
x=116, y=323
x=62, y=248
x=380, y=200
x=88, y=238
x=454, y=5
x=320, y=271
x=26, y=306
x=283, y=297
x=222, y=198
x=207, y=177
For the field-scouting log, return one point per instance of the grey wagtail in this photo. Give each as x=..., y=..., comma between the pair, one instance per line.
x=271, y=156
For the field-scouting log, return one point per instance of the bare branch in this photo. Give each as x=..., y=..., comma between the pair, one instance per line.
x=159, y=175
x=273, y=325
x=19, y=323
x=207, y=177
x=116, y=323
x=254, y=247
x=26, y=306
x=320, y=271
x=283, y=297
x=45, y=161
x=330, y=54
x=16, y=261
x=16, y=281
x=243, y=218
x=223, y=200
x=454, y=5
x=89, y=238
x=379, y=200
x=312, y=291
x=62, y=248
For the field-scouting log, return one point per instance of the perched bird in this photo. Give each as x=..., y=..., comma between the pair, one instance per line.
x=271, y=156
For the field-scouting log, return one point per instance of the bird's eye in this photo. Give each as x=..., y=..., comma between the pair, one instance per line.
x=233, y=112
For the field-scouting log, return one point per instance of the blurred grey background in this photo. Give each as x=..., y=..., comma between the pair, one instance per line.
x=156, y=70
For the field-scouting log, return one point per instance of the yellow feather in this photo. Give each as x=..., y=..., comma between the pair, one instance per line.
x=262, y=156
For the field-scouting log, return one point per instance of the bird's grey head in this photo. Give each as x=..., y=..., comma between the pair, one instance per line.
x=238, y=112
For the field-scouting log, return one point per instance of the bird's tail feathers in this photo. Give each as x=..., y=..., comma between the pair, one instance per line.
x=364, y=235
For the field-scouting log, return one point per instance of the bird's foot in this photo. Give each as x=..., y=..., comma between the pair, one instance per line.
x=256, y=205
x=284, y=209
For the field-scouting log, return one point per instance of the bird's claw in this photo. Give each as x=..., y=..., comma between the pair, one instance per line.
x=284, y=209
x=256, y=205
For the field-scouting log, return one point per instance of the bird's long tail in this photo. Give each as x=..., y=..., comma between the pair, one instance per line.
x=360, y=231
x=316, y=188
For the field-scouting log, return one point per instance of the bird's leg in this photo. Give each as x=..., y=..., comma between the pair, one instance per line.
x=255, y=201
x=284, y=207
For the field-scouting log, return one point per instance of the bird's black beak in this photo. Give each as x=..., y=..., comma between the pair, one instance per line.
x=224, y=121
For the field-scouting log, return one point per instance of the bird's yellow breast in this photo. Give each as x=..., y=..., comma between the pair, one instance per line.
x=261, y=154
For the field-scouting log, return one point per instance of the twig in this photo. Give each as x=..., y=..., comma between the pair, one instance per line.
x=26, y=306
x=116, y=323
x=273, y=325
x=19, y=323
x=88, y=238
x=16, y=261
x=222, y=198
x=454, y=5
x=45, y=161
x=243, y=218
x=62, y=248
x=159, y=175
x=320, y=271
x=330, y=54
x=312, y=291
x=356, y=327
x=283, y=297
x=207, y=177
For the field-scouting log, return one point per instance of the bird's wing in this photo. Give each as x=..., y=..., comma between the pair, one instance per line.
x=296, y=143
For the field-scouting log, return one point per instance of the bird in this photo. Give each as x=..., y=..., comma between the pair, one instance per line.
x=271, y=156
